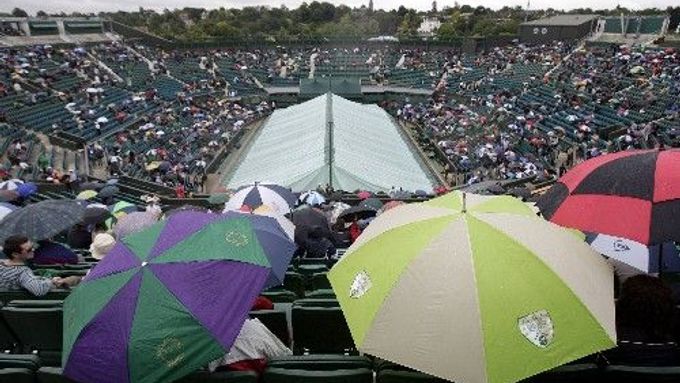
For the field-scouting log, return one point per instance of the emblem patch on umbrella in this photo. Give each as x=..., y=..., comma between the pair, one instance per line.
x=361, y=284
x=170, y=352
x=236, y=238
x=538, y=328
x=619, y=245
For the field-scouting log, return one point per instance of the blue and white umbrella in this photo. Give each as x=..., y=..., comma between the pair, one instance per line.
x=276, y=197
x=11, y=184
x=6, y=208
x=312, y=198
x=635, y=254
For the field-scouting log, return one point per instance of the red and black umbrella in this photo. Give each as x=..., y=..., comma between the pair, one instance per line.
x=631, y=194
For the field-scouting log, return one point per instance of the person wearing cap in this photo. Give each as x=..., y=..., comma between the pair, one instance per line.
x=102, y=244
x=16, y=275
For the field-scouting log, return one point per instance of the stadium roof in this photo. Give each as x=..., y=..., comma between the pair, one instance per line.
x=563, y=20
x=293, y=149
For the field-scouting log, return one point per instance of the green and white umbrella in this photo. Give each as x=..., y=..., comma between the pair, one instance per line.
x=474, y=289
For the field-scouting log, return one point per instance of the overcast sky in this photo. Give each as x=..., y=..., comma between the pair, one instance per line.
x=86, y=6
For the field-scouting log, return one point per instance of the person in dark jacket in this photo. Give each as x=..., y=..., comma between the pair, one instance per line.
x=317, y=245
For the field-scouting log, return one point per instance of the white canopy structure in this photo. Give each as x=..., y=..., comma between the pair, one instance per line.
x=331, y=140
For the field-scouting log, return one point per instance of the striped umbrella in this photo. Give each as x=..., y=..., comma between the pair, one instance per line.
x=474, y=289
x=164, y=301
x=12, y=184
x=632, y=195
x=312, y=198
x=42, y=220
x=275, y=196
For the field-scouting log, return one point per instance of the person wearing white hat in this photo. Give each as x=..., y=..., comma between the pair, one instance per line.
x=101, y=245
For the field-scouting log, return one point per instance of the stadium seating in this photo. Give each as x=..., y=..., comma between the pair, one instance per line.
x=281, y=375
x=320, y=330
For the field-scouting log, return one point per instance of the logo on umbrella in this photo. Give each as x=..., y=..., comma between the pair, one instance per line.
x=537, y=327
x=236, y=238
x=170, y=351
x=619, y=245
x=360, y=285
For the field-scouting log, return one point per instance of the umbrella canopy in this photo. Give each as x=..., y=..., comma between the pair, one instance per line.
x=278, y=247
x=164, y=301
x=286, y=224
x=364, y=194
x=277, y=197
x=390, y=205
x=96, y=213
x=108, y=191
x=484, y=290
x=219, y=199
x=306, y=218
x=42, y=220
x=632, y=194
x=27, y=189
x=5, y=209
x=338, y=208
x=185, y=208
x=312, y=198
x=86, y=194
x=361, y=212
x=11, y=184
x=133, y=223
x=94, y=185
x=372, y=203
x=649, y=259
x=122, y=208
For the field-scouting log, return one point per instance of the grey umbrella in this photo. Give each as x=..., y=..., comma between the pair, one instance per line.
x=42, y=220
x=108, y=191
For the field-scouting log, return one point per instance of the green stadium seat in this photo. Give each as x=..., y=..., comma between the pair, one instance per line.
x=276, y=322
x=16, y=375
x=282, y=375
x=37, y=329
x=311, y=269
x=280, y=296
x=321, y=294
x=13, y=295
x=317, y=302
x=34, y=303
x=28, y=361
x=320, y=362
x=8, y=341
x=294, y=282
x=320, y=281
x=52, y=375
x=320, y=330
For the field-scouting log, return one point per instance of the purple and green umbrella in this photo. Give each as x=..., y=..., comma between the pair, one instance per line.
x=165, y=301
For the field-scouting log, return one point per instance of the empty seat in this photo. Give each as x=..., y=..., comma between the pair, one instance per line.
x=280, y=296
x=320, y=362
x=16, y=375
x=282, y=375
x=294, y=282
x=317, y=302
x=37, y=329
x=276, y=322
x=13, y=295
x=320, y=330
x=36, y=303
x=28, y=361
x=320, y=281
x=321, y=294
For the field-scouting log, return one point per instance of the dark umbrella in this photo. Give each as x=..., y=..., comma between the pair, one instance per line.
x=523, y=193
x=95, y=214
x=164, y=166
x=372, y=203
x=495, y=189
x=42, y=220
x=361, y=212
x=304, y=219
x=92, y=186
x=108, y=191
